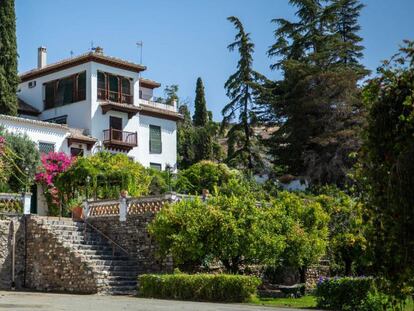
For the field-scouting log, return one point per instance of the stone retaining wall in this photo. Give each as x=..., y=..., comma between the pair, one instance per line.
x=6, y=251
x=133, y=236
x=54, y=266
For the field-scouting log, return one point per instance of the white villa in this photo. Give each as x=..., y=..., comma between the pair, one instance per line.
x=94, y=102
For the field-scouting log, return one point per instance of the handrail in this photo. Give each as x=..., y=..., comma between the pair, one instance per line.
x=112, y=242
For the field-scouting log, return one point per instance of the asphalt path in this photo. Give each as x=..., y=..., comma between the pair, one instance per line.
x=29, y=301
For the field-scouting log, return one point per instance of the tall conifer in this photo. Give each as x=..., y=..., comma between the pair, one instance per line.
x=241, y=88
x=8, y=58
x=317, y=103
x=200, y=117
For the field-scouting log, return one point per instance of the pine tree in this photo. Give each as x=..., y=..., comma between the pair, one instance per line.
x=317, y=103
x=241, y=88
x=8, y=58
x=200, y=117
x=347, y=13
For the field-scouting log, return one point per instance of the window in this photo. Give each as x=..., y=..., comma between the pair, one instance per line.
x=76, y=152
x=155, y=139
x=58, y=120
x=65, y=91
x=46, y=147
x=155, y=166
x=114, y=88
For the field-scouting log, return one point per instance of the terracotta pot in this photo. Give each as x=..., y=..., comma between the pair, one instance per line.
x=77, y=213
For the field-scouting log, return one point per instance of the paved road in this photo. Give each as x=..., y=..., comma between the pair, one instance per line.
x=61, y=302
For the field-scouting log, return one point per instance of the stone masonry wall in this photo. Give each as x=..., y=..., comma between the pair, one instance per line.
x=6, y=250
x=133, y=236
x=52, y=266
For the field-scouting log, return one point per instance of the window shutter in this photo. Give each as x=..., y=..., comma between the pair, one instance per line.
x=155, y=139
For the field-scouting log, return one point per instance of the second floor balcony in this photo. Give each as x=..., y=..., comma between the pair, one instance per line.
x=120, y=140
x=115, y=97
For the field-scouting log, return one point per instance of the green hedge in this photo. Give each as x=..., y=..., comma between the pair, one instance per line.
x=198, y=287
x=350, y=294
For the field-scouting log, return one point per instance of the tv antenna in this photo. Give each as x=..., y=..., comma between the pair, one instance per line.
x=140, y=45
x=92, y=47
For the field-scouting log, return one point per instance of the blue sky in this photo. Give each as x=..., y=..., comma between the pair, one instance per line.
x=185, y=39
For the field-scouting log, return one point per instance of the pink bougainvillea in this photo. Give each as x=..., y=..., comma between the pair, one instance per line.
x=53, y=164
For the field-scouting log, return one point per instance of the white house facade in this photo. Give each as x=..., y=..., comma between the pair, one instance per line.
x=94, y=102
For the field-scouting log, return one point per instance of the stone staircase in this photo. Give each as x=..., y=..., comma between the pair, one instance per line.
x=115, y=272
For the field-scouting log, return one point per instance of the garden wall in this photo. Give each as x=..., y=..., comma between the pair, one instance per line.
x=7, y=225
x=133, y=236
x=54, y=266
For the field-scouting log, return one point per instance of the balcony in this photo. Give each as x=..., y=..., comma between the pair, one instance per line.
x=120, y=140
x=157, y=105
x=159, y=110
x=115, y=97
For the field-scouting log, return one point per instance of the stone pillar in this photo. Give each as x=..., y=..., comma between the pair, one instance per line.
x=27, y=199
x=122, y=209
x=85, y=209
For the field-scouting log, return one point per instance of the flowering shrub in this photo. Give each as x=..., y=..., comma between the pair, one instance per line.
x=53, y=164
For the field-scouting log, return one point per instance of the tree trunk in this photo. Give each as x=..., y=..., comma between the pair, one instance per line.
x=302, y=273
x=348, y=267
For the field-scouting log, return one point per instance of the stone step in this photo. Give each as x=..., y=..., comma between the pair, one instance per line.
x=119, y=290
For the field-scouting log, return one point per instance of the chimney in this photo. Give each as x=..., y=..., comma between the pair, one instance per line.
x=41, y=57
x=99, y=50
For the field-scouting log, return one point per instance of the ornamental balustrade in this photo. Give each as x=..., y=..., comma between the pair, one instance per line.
x=15, y=203
x=131, y=206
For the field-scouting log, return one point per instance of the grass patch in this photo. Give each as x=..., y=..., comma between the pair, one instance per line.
x=409, y=305
x=305, y=302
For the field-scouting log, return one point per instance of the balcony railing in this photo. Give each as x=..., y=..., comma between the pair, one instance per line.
x=120, y=139
x=158, y=105
x=115, y=97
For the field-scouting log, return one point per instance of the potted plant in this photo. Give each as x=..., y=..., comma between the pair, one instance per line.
x=75, y=206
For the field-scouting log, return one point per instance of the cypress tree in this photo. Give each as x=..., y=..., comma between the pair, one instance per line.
x=8, y=58
x=200, y=117
x=241, y=87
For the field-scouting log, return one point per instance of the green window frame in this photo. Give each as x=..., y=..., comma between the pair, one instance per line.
x=46, y=148
x=156, y=166
x=66, y=90
x=155, y=143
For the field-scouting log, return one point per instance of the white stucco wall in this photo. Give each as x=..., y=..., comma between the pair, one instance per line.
x=146, y=93
x=39, y=133
x=79, y=113
x=168, y=140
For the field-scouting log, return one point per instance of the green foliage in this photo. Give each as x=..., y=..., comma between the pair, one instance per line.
x=8, y=59
x=25, y=158
x=203, y=175
x=185, y=139
x=347, y=231
x=171, y=96
x=200, y=117
x=198, y=287
x=160, y=181
x=233, y=230
x=241, y=88
x=306, y=231
x=19, y=158
x=110, y=174
x=197, y=140
x=353, y=294
x=387, y=169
